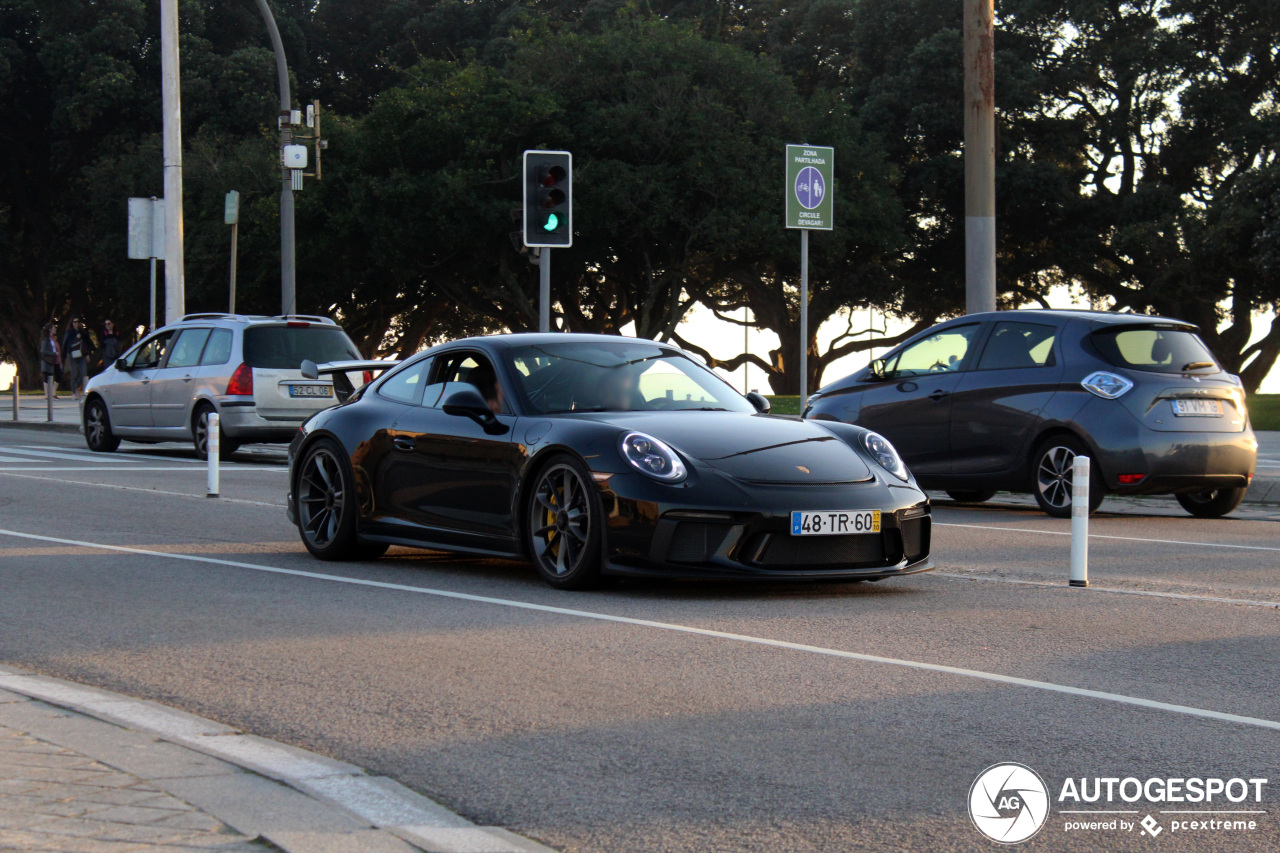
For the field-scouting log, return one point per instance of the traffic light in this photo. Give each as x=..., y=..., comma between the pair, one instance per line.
x=548, y=199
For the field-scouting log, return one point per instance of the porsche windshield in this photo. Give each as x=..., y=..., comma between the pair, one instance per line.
x=618, y=377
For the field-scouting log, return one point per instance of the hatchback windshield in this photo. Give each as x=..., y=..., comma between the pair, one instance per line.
x=626, y=376
x=284, y=347
x=1157, y=350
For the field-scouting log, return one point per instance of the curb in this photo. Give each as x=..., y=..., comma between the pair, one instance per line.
x=328, y=805
x=42, y=426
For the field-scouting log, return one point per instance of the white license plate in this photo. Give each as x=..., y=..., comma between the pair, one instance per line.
x=310, y=390
x=835, y=522
x=1197, y=408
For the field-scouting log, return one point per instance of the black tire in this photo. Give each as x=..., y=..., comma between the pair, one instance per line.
x=97, y=428
x=200, y=435
x=326, y=498
x=564, y=518
x=971, y=496
x=1051, y=476
x=1211, y=503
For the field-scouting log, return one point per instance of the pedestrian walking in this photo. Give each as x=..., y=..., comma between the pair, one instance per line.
x=50, y=357
x=75, y=356
x=110, y=344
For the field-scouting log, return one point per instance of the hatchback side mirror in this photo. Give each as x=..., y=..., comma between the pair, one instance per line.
x=121, y=364
x=760, y=401
x=876, y=370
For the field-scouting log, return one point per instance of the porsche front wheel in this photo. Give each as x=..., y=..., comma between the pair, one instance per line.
x=564, y=521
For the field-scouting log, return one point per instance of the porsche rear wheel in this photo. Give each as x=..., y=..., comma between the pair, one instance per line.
x=564, y=521
x=327, y=506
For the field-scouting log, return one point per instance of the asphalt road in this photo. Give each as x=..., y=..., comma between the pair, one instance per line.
x=668, y=717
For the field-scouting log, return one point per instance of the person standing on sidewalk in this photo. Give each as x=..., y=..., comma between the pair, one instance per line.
x=75, y=353
x=110, y=344
x=50, y=357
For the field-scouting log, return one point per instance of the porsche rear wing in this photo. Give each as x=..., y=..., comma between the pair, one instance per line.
x=342, y=387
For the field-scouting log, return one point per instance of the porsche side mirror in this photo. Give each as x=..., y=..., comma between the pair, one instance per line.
x=309, y=369
x=760, y=401
x=468, y=402
x=121, y=364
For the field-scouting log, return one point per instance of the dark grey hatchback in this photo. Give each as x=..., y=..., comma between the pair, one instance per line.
x=1006, y=400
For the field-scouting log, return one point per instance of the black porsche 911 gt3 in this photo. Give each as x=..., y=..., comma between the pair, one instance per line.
x=595, y=455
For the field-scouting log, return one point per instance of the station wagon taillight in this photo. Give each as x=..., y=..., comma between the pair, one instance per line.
x=241, y=383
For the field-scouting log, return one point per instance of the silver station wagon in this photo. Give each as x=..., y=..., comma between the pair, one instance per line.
x=245, y=368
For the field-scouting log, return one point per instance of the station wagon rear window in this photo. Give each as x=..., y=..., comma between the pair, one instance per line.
x=284, y=347
x=1159, y=350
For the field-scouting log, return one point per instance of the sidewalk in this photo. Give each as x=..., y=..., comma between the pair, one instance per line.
x=87, y=771
x=33, y=411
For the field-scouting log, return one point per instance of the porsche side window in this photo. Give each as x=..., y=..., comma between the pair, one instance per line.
x=405, y=386
x=469, y=369
x=943, y=352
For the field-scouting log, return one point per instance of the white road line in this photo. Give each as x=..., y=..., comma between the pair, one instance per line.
x=1049, y=686
x=48, y=454
x=1102, y=536
x=202, y=496
x=1185, y=596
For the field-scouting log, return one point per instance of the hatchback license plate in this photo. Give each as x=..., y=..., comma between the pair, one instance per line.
x=1198, y=408
x=835, y=522
x=310, y=390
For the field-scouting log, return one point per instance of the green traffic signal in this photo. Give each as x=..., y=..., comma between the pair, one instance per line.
x=552, y=223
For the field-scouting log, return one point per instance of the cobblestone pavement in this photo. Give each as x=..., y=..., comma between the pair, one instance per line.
x=54, y=799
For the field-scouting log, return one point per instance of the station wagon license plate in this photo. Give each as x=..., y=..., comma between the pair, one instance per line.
x=310, y=390
x=835, y=522
x=1197, y=408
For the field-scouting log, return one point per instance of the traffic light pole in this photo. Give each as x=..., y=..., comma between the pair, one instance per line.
x=288, y=262
x=544, y=290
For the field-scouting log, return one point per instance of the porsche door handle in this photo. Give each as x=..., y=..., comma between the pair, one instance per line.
x=405, y=444
x=938, y=394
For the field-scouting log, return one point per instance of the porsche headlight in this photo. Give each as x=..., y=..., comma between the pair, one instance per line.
x=650, y=456
x=885, y=455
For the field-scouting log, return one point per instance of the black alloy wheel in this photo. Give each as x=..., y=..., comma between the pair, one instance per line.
x=97, y=428
x=564, y=520
x=1212, y=503
x=1051, y=473
x=327, y=507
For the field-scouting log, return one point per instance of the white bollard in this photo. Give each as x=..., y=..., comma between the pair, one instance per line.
x=1080, y=521
x=213, y=444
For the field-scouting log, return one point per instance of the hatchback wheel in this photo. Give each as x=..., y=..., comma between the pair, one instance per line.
x=200, y=435
x=97, y=427
x=1051, y=474
x=1211, y=503
x=564, y=518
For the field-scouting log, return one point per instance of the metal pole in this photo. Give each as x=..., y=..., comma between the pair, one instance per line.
x=746, y=347
x=1080, y=521
x=544, y=290
x=979, y=156
x=48, y=397
x=804, y=315
x=235, y=233
x=175, y=296
x=213, y=449
x=288, y=263
x=152, y=327
x=16, y=391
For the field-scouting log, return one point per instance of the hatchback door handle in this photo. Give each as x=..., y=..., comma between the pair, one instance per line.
x=186, y=379
x=937, y=394
x=404, y=444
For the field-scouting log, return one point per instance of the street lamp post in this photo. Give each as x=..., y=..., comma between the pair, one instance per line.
x=288, y=259
x=171, y=107
x=979, y=156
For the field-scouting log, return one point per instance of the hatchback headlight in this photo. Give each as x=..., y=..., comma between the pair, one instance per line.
x=650, y=456
x=1106, y=384
x=885, y=455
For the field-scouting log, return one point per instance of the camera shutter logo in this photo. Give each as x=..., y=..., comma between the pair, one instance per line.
x=1008, y=802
